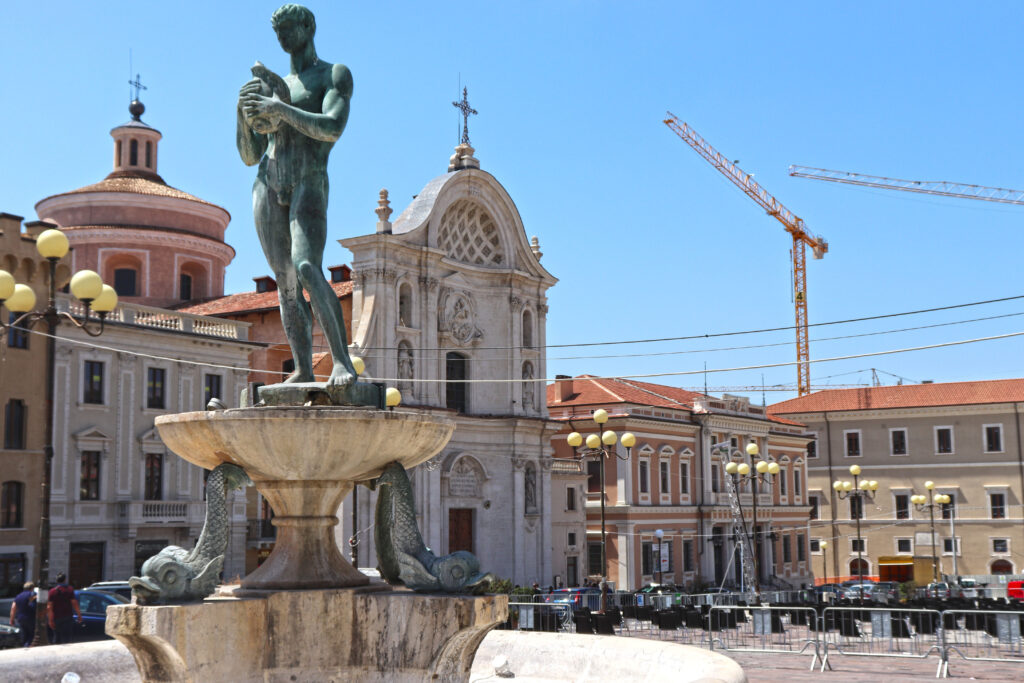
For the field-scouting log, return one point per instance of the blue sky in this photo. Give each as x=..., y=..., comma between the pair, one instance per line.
x=647, y=239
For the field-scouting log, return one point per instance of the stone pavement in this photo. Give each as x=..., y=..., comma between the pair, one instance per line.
x=765, y=668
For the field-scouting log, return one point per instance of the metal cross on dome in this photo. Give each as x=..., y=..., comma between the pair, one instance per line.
x=466, y=110
x=137, y=84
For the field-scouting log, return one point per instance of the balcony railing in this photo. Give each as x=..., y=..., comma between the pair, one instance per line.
x=562, y=466
x=146, y=512
x=164, y=319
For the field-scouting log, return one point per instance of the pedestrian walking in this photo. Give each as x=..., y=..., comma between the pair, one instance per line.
x=23, y=613
x=59, y=609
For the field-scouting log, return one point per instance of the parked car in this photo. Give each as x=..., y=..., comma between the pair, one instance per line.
x=857, y=591
x=966, y=588
x=660, y=588
x=886, y=591
x=122, y=588
x=10, y=636
x=576, y=597
x=94, y=604
x=1015, y=590
x=937, y=589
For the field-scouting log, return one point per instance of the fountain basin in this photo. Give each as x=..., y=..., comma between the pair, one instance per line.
x=305, y=460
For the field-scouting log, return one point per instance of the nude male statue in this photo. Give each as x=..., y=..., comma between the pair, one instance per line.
x=290, y=135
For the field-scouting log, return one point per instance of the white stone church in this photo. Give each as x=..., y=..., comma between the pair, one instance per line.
x=449, y=303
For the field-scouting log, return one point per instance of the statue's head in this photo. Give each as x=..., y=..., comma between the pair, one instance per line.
x=294, y=25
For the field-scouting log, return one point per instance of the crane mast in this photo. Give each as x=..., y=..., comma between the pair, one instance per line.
x=940, y=188
x=792, y=223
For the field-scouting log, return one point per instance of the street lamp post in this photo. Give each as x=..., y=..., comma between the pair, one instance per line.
x=824, y=562
x=88, y=288
x=659, y=534
x=922, y=503
x=860, y=491
x=600, y=446
x=763, y=470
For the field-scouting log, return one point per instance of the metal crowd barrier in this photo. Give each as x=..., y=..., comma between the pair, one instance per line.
x=791, y=630
x=532, y=616
x=987, y=635
x=882, y=632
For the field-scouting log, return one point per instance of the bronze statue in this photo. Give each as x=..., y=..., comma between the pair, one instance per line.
x=288, y=126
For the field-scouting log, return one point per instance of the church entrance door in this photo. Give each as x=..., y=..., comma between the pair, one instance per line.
x=460, y=529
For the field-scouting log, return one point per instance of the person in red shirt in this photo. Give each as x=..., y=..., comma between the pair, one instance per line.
x=59, y=609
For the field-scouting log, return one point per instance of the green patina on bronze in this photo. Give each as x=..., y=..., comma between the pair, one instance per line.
x=288, y=126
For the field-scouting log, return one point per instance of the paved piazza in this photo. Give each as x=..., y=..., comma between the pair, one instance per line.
x=762, y=668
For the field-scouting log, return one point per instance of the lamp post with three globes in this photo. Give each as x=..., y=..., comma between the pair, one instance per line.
x=859, y=490
x=922, y=503
x=87, y=287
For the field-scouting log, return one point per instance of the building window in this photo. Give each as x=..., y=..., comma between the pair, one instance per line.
x=571, y=539
x=184, y=286
x=787, y=552
x=684, y=479
x=14, y=424
x=17, y=337
x=405, y=305
x=149, y=154
x=815, y=544
x=902, y=504
x=645, y=485
x=797, y=483
x=570, y=498
x=211, y=388
x=993, y=438
x=857, y=507
x=857, y=545
x=133, y=152
x=117, y=154
x=801, y=549
x=897, y=442
x=715, y=478
x=89, y=479
x=12, y=503
x=1000, y=546
x=812, y=447
x=663, y=470
x=593, y=476
x=594, y=567
x=456, y=374
x=949, y=509
x=997, y=503
x=687, y=556
x=125, y=281
x=812, y=501
x=947, y=546
x=93, y=391
x=156, y=380
x=904, y=546
x=572, y=572
x=943, y=439
x=852, y=444
x=527, y=330
x=782, y=482
x=154, y=476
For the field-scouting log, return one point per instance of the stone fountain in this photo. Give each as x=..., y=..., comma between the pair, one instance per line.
x=306, y=614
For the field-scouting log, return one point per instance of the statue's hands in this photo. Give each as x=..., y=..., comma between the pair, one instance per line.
x=253, y=104
x=251, y=87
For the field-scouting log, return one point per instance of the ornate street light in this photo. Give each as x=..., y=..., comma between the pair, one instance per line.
x=600, y=446
x=922, y=503
x=659, y=534
x=860, y=491
x=824, y=558
x=763, y=471
x=87, y=287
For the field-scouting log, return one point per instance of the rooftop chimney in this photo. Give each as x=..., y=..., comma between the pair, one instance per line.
x=565, y=388
x=265, y=283
x=340, y=273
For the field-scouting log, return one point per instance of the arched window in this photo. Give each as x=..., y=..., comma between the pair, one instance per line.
x=1002, y=567
x=149, y=154
x=12, y=505
x=185, y=286
x=527, y=330
x=859, y=567
x=133, y=152
x=126, y=280
x=456, y=372
x=405, y=305
x=117, y=153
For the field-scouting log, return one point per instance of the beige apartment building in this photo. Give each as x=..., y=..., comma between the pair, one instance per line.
x=965, y=437
x=672, y=480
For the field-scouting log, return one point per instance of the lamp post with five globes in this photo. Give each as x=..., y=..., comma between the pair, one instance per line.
x=859, y=490
x=600, y=446
x=87, y=287
x=763, y=470
x=922, y=503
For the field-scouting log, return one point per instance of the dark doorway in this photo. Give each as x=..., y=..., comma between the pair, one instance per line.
x=456, y=373
x=85, y=564
x=460, y=529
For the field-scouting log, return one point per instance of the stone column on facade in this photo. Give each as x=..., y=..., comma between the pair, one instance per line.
x=434, y=497
x=518, y=521
x=545, y=503
x=623, y=476
x=627, y=546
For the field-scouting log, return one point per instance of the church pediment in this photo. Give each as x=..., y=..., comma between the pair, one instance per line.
x=92, y=439
x=151, y=437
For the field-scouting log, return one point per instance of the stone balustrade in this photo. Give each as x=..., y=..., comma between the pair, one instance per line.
x=164, y=319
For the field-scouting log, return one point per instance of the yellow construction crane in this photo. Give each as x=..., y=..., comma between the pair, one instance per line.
x=793, y=224
x=941, y=188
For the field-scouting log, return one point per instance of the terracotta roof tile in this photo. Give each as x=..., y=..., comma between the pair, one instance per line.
x=248, y=302
x=137, y=185
x=905, y=396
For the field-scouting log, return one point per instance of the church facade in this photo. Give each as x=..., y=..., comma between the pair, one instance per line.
x=449, y=304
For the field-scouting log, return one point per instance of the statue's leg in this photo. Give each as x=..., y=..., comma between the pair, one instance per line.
x=308, y=238
x=272, y=226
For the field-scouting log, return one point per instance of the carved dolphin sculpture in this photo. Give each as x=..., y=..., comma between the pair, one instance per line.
x=401, y=554
x=178, y=575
